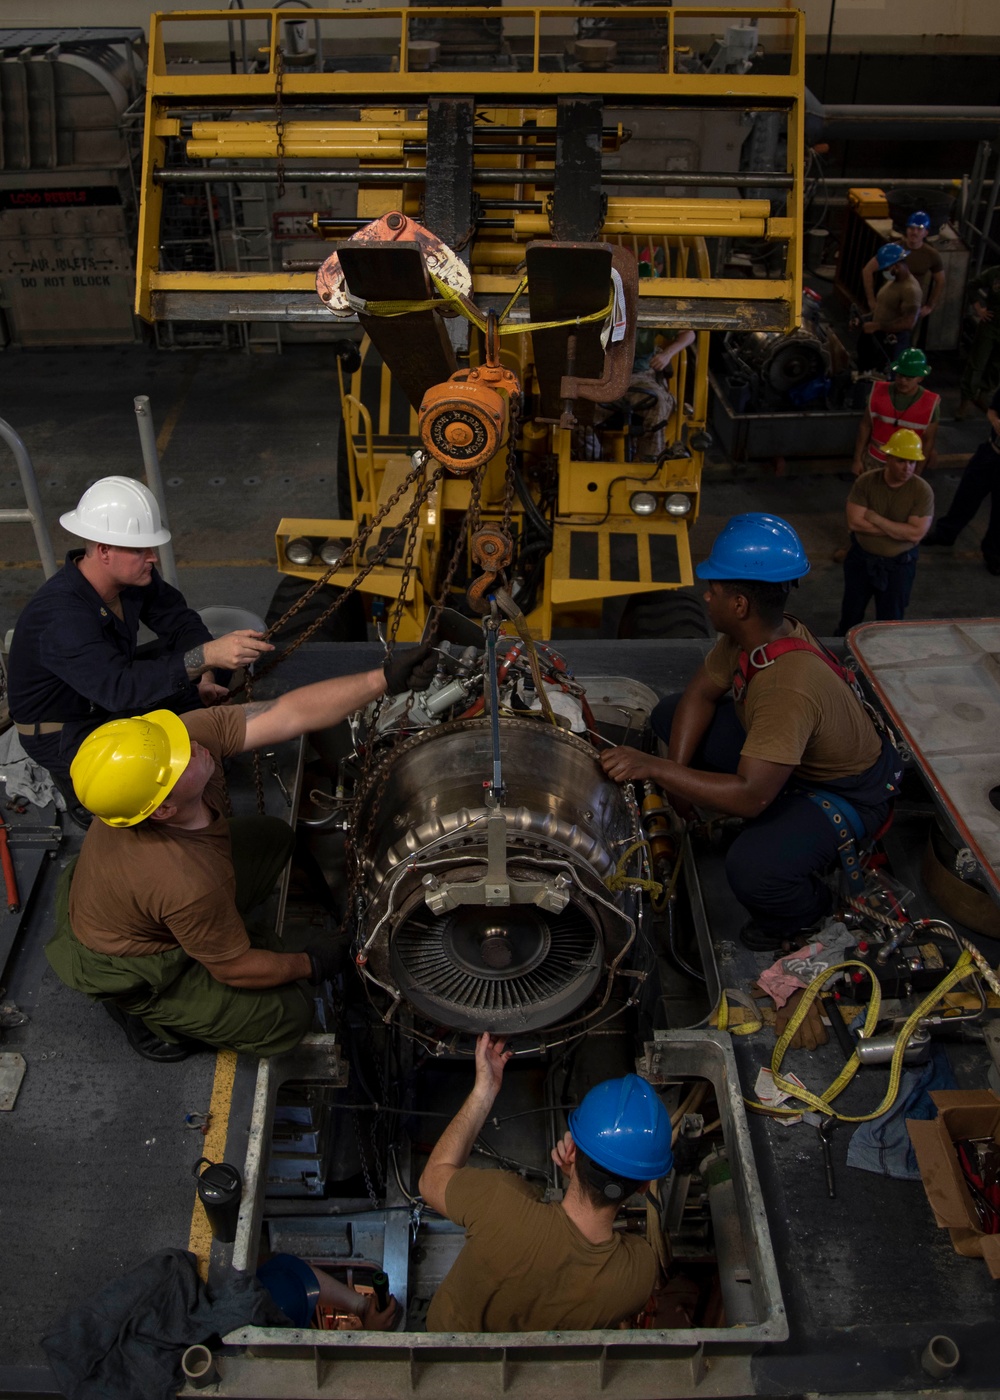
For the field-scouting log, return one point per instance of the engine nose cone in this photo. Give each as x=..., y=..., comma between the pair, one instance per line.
x=495, y=949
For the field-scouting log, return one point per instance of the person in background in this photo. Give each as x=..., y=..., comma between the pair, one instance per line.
x=981, y=478
x=889, y=511
x=981, y=371
x=901, y=403
x=649, y=369
x=923, y=261
x=886, y=334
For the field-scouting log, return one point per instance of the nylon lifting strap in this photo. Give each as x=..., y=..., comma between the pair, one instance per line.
x=457, y=302
x=823, y=1103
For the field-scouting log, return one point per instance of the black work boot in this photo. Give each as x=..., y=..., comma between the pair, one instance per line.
x=764, y=940
x=146, y=1042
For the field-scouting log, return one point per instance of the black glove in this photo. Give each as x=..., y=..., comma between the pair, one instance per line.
x=412, y=669
x=325, y=962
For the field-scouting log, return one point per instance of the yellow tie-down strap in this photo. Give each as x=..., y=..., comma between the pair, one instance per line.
x=457, y=302
x=823, y=1103
x=736, y=1013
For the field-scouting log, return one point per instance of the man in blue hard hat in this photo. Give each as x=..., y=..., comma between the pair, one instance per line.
x=922, y=260
x=888, y=331
x=770, y=729
x=528, y=1266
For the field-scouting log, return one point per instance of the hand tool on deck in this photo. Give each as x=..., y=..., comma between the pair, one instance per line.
x=9, y=877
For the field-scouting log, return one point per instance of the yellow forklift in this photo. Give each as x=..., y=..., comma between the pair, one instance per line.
x=526, y=196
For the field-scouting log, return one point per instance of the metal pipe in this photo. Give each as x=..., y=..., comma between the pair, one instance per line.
x=154, y=481
x=749, y=179
x=32, y=514
x=891, y=182
x=865, y=121
x=987, y=229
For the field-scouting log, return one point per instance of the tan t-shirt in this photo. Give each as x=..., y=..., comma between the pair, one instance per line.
x=900, y=297
x=525, y=1267
x=147, y=888
x=924, y=262
x=799, y=712
x=896, y=503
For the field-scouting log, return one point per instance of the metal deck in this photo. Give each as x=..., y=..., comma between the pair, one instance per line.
x=97, y=1160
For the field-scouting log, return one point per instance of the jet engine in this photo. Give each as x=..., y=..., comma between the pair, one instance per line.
x=485, y=902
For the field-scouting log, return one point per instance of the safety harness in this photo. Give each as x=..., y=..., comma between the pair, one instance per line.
x=841, y=814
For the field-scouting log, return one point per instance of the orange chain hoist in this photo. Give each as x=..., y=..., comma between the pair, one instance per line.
x=463, y=421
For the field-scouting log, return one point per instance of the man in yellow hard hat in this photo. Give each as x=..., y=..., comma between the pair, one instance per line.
x=902, y=402
x=889, y=511
x=150, y=919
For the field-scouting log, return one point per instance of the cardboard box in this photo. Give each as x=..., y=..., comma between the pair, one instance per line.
x=962, y=1113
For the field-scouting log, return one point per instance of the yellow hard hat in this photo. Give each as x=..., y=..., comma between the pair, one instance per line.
x=124, y=769
x=905, y=443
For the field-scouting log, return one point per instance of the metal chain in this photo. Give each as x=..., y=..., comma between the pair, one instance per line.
x=373, y=561
x=279, y=112
x=396, y=616
x=461, y=543
x=358, y=840
x=410, y=519
x=508, y=489
x=362, y=1158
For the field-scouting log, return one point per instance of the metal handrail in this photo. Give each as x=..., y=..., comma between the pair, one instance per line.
x=32, y=512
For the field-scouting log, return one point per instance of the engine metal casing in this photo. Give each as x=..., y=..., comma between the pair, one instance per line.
x=563, y=817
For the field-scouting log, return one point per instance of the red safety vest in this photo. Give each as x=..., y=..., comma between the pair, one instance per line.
x=886, y=418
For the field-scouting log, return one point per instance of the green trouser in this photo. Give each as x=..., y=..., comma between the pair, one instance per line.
x=176, y=995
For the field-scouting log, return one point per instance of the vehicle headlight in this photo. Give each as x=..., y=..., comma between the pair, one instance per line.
x=642, y=503
x=677, y=504
x=299, y=551
x=332, y=551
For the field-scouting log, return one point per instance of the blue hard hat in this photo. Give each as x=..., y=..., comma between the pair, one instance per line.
x=293, y=1286
x=624, y=1128
x=756, y=546
x=889, y=254
x=919, y=219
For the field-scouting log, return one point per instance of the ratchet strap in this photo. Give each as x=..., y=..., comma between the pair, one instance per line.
x=823, y=1103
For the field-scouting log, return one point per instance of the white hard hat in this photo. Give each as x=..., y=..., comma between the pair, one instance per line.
x=117, y=510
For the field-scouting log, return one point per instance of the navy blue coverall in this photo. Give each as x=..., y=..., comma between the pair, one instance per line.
x=775, y=867
x=73, y=661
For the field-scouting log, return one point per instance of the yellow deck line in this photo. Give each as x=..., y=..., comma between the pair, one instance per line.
x=170, y=422
x=213, y=1147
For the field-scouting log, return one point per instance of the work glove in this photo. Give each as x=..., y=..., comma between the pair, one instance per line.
x=810, y=1034
x=412, y=669
x=325, y=961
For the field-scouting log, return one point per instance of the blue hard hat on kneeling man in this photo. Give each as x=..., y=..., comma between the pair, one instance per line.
x=756, y=546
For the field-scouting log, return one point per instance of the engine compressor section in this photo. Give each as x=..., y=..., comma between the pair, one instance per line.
x=485, y=847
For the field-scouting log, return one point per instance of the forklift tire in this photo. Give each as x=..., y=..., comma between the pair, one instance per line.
x=662, y=615
x=348, y=623
x=960, y=900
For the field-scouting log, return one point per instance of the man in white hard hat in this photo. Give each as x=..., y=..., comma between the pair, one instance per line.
x=74, y=661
